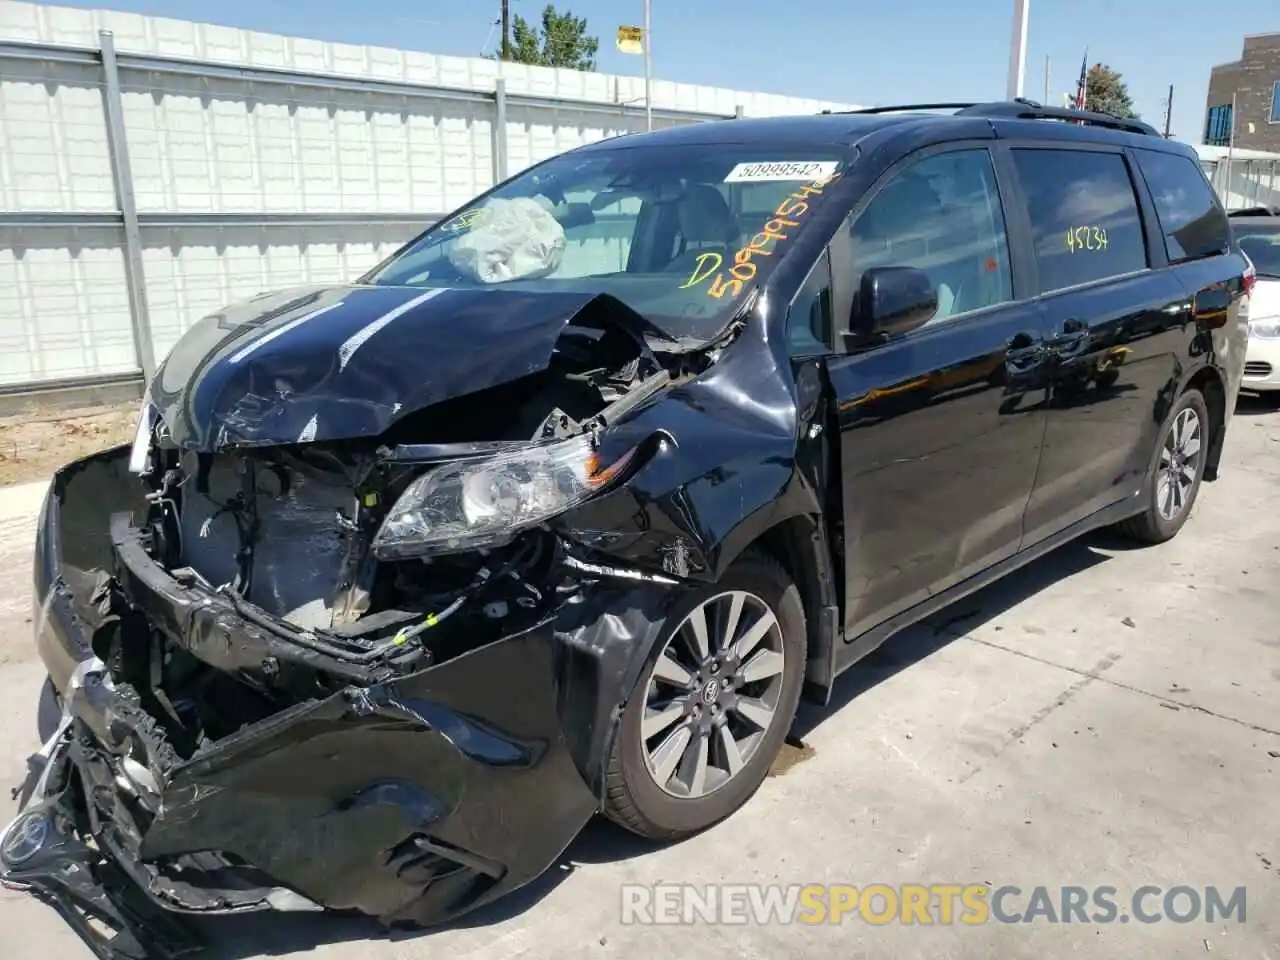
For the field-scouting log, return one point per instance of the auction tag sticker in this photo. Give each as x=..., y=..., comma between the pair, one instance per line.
x=773, y=171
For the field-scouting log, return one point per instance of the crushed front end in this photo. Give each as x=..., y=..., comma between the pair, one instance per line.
x=362, y=672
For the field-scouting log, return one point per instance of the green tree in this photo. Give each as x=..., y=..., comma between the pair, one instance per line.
x=1105, y=92
x=562, y=41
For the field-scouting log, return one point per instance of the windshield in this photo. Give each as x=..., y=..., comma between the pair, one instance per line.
x=680, y=235
x=1262, y=243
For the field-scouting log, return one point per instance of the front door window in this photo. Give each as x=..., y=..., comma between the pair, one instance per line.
x=941, y=215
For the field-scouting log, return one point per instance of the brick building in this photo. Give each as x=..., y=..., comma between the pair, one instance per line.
x=1254, y=79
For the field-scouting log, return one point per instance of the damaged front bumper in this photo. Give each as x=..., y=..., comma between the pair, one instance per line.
x=409, y=798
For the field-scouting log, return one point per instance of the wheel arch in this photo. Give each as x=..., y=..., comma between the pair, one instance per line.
x=800, y=545
x=1209, y=381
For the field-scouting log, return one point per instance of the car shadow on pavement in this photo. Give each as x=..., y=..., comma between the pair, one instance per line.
x=1256, y=405
x=923, y=639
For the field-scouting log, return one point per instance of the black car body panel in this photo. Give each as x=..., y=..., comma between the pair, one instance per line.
x=1143, y=317
x=228, y=747
x=968, y=420
x=336, y=363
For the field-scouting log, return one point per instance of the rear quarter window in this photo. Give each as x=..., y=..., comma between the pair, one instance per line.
x=1193, y=223
x=1085, y=221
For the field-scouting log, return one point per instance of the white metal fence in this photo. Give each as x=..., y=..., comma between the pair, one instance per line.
x=153, y=170
x=1243, y=178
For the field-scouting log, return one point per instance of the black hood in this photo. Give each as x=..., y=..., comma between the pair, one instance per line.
x=342, y=362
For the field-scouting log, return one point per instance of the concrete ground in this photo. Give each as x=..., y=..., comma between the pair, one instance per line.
x=1106, y=716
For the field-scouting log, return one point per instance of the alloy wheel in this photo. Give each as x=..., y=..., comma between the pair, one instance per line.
x=1179, y=464
x=712, y=694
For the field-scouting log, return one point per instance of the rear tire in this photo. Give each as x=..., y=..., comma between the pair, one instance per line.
x=1174, y=474
x=700, y=731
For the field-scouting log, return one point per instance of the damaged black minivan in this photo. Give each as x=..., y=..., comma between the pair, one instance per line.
x=565, y=506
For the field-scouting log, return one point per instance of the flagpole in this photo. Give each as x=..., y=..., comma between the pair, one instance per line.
x=648, y=68
x=1018, y=50
x=1081, y=101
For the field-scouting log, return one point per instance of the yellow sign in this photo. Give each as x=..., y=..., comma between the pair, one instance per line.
x=631, y=39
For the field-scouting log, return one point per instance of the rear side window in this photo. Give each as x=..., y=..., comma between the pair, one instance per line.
x=1084, y=216
x=1193, y=224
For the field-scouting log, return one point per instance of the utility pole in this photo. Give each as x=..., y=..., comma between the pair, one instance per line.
x=1045, y=101
x=1018, y=50
x=1168, y=113
x=506, y=29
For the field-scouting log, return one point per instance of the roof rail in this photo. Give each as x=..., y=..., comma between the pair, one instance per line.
x=1019, y=110
x=1030, y=110
x=906, y=108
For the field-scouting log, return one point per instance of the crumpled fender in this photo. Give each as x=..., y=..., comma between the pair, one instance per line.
x=719, y=469
x=604, y=637
x=410, y=800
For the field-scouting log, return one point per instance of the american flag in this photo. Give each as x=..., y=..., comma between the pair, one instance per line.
x=1082, y=83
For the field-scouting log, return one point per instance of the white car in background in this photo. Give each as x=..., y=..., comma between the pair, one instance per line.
x=1258, y=231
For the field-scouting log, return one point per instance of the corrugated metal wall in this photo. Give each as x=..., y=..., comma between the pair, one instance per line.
x=153, y=175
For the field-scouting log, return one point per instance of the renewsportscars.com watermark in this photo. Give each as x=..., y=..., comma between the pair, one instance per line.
x=925, y=904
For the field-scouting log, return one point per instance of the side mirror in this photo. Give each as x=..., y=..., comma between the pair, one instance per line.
x=889, y=301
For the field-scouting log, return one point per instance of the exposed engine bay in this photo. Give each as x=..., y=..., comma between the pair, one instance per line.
x=325, y=547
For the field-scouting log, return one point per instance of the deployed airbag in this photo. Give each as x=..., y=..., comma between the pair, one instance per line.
x=510, y=239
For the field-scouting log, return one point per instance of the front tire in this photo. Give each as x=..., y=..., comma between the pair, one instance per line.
x=1175, y=473
x=713, y=705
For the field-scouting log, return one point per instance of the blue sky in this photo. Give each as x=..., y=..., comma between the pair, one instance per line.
x=866, y=51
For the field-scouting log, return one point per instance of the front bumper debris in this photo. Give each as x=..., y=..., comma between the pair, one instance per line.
x=90, y=883
x=411, y=798
x=376, y=800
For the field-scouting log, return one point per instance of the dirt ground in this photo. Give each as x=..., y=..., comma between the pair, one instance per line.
x=34, y=445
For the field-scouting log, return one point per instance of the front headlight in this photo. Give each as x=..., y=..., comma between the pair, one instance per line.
x=480, y=503
x=1268, y=329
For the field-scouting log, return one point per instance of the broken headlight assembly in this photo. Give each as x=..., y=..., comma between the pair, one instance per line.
x=483, y=503
x=144, y=433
